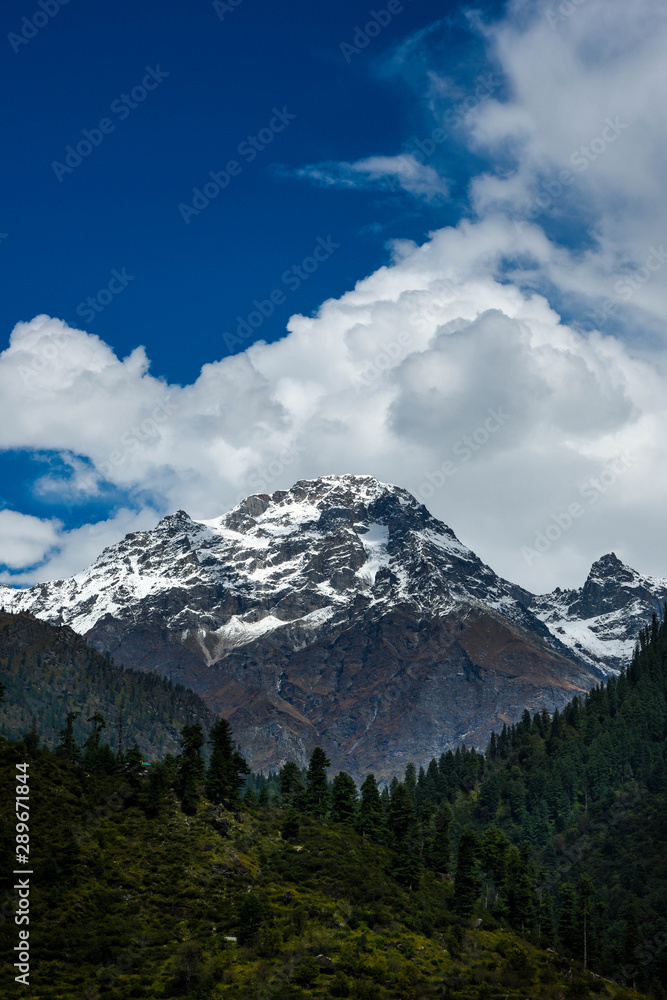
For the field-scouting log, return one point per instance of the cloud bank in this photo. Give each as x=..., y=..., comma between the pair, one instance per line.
x=451, y=370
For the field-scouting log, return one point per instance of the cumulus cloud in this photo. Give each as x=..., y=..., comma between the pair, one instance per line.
x=450, y=371
x=26, y=540
x=432, y=373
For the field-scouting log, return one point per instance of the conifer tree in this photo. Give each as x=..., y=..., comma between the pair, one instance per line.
x=291, y=784
x=68, y=747
x=439, y=848
x=190, y=767
x=467, y=882
x=586, y=893
x=567, y=920
x=227, y=768
x=317, y=786
x=370, y=818
x=343, y=799
x=157, y=787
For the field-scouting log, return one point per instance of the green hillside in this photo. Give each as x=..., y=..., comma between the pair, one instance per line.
x=49, y=671
x=535, y=870
x=133, y=897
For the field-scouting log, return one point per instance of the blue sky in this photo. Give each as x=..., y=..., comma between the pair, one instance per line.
x=119, y=207
x=334, y=181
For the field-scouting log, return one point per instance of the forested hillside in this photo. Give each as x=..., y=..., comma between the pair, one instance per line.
x=49, y=671
x=143, y=887
x=536, y=869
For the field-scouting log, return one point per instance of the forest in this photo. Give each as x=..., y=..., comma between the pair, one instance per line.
x=536, y=868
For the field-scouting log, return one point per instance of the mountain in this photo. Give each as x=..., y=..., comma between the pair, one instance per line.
x=599, y=623
x=49, y=671
x=337, y=612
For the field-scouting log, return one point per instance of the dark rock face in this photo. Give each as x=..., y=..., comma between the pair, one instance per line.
x=339, y=612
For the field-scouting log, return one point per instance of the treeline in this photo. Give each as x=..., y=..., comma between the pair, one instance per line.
x=49, y=671
x=557, y=830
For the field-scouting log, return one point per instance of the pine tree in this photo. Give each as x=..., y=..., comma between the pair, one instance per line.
x=190, y=767
x=291, y=784
x=157, y=787
x=467, y=882
x=370, y=818
x=68, y=747
x=567, y=919
x=586, y=893
x=439, y=848
x=227, y=768
x=317, y=786
x=520, y=887
x=343, y=799
x=92, y=744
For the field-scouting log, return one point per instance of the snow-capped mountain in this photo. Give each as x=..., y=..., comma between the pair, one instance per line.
x=340, y=611
x=599, y=622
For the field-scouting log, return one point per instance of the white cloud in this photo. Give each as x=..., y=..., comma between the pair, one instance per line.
x=392, y=172
x=447, y=371
x=389, y=379
x=26, y=540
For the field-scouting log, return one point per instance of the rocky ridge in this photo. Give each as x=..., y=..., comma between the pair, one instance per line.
x=341, y=612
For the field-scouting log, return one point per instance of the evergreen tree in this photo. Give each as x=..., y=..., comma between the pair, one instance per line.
x=250, y=798
x=410, y=781
x=370, y=818
x=567, y=919
x=157, y=788
x=467, y=882
x=343, y=799
x=317, y=786
x=439, y=848
x=291, y=784
x=493, y=861
x=520, y=887
x=586, y=893
x=68, y=747
x=190, y=767
x=227, y=768
x=291, y=825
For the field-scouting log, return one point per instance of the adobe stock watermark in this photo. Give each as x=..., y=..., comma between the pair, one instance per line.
x=463, y=449
x=144, y=431
x=430, y=312
x=260, y=479
x=575, y=852
x=626, y=286
x=44, y=356
x=95, y=304
x=249, y=149
x=223, y=7
x=387, y=357
x=422, y=149
x=591, y=491
x=564, y=10
x=580, y=159
x=121, y=107
x=31, y=26
x=364, y=34
x=291, y=279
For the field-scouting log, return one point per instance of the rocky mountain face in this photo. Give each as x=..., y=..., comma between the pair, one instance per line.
x=599, y=622
x=341, y=612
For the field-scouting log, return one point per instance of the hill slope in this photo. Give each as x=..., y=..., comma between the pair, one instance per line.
x=49, y=671
x=124, y=905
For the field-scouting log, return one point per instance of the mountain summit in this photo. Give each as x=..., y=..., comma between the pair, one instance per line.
x=341, y=612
